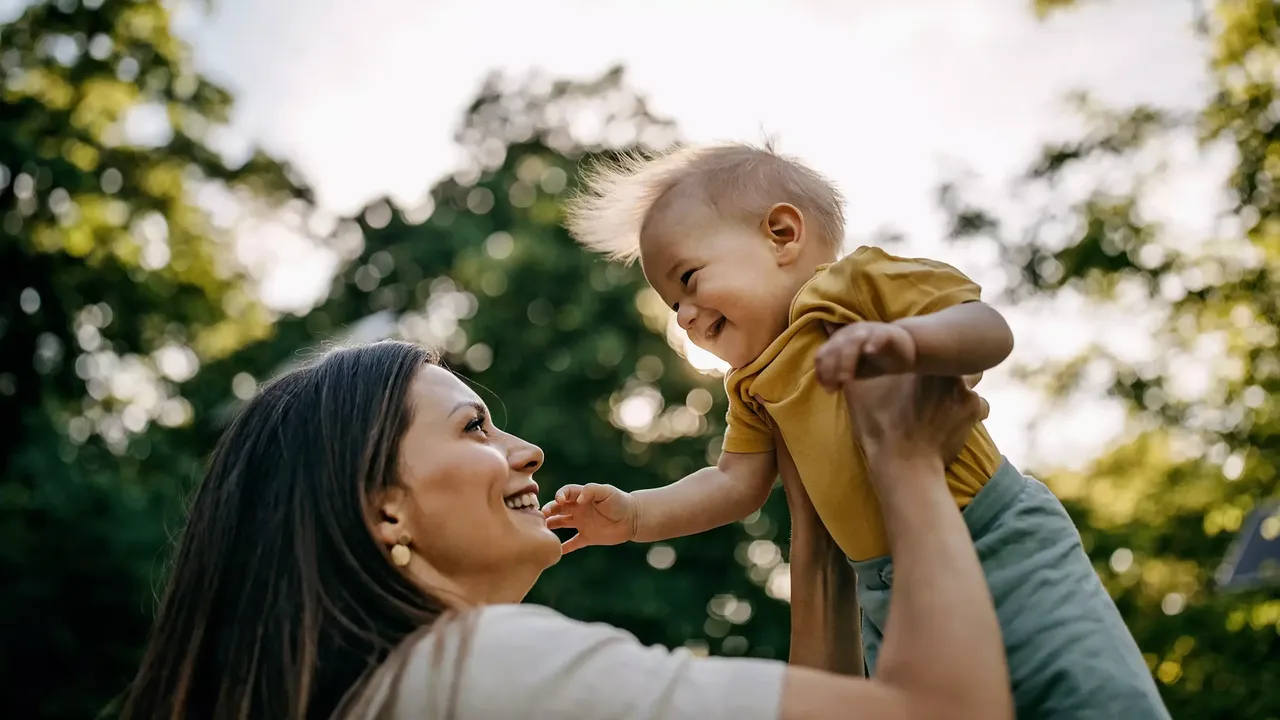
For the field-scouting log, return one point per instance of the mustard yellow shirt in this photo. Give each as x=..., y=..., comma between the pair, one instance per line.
x=780, y=389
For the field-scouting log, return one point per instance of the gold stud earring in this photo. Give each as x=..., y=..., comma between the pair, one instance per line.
x=400, y=553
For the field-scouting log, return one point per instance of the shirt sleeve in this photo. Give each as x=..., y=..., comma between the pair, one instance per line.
x=525, y=661
x=887, y=288
x=745, y=431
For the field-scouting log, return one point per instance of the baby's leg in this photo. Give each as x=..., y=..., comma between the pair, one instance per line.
x=1070, y=654
x=875, y=580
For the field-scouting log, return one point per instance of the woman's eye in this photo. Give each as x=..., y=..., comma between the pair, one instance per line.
x=685, y=278
x=474, y=425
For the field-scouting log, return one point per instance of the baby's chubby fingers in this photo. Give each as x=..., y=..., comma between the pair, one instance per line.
x=826, y=365
x=847, y=363
x=558, y=522
x=594, y=493
x=568, y=495
x=820, y=370
x=836, y=362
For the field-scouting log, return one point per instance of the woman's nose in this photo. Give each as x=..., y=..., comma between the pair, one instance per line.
x=686, y=316
x=524, y=456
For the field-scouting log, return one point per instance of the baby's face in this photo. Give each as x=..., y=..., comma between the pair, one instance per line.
x=724, y=282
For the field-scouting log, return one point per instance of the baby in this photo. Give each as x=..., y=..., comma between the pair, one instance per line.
x=742, y=244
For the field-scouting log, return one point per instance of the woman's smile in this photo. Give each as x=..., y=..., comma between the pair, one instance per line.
x=524, y=503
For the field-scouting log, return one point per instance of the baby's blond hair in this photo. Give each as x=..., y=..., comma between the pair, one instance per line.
x=608, y=213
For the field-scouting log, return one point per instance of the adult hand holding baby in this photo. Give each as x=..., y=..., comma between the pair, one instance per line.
x=912, y=417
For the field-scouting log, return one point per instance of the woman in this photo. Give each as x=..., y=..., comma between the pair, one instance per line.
x=364, y=533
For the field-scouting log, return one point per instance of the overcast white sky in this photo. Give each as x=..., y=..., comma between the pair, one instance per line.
x=363, y=98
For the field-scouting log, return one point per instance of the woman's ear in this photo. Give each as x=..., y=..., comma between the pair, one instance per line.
x=784, y=226
x=391, y=523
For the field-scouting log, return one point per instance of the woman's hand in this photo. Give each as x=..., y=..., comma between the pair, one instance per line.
x=912, y=416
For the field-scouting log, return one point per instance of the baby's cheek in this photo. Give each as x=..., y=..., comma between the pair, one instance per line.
x=744, y=348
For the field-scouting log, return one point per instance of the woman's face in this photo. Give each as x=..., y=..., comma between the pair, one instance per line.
x=467, y=499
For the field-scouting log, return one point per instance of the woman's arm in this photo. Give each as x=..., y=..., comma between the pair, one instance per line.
x=942, y=654
x=943, y=639
x=825, y=623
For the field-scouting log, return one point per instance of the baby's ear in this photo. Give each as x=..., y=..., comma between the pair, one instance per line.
x=784, y=226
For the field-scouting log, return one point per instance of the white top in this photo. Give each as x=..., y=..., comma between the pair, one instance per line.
x=526, y=661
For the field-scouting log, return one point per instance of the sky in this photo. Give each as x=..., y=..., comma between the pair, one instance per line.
x=880, y=95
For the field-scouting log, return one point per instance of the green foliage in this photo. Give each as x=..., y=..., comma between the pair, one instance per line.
x=114, y=286
x=1159, y=509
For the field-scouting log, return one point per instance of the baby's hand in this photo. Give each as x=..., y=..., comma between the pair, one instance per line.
x=864, y=350
x=602, y=515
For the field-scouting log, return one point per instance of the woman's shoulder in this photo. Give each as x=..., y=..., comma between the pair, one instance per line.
x=531, y=661
x=531, y=618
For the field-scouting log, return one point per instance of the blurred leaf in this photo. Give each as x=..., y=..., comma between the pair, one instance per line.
x=1043, y=8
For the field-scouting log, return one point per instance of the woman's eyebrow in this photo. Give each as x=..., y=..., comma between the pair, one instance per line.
x=467, y=404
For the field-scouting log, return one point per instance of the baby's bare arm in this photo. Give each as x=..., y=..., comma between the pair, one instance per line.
x=713, y=496
x=963, y=339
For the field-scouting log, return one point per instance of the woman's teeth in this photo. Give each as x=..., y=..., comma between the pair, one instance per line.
x=522, y=502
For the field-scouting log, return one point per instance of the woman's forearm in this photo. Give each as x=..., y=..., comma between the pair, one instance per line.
x=942, y=654
x=943, y=641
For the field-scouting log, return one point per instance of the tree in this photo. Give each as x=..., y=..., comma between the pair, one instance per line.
x=1158, y=509
x=115, y=285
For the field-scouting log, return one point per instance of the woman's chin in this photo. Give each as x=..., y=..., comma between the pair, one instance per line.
x=536, y=540
x=554, y=550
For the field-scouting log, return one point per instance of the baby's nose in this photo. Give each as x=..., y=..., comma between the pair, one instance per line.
x=686, y=316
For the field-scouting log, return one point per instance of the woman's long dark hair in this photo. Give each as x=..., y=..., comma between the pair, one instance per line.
x=280, y=599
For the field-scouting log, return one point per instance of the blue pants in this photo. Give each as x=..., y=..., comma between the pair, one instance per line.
x=1070, y=654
